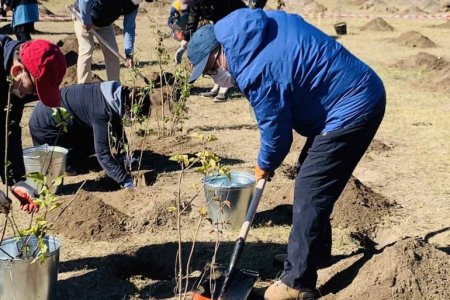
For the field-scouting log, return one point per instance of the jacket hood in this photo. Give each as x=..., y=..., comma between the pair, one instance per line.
x=242, y=34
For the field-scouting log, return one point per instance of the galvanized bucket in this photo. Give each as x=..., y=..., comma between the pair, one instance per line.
x=228, y=200
x=45, y=159
x=22, y=280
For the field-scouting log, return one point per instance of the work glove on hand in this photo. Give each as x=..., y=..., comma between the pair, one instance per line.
x=260, y=174
x=25, y=194
x=5, y=203
x=179, y=54
x=127, y=184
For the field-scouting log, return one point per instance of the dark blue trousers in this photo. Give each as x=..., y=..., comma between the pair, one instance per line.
x=325, y=166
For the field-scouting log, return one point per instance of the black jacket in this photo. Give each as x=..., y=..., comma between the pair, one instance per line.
x=15, y=154
x=105, y=12
x=93, y=122
x=210, y=10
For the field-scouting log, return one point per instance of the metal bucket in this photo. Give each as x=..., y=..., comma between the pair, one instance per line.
x=341, y=28
x=238, y=192
x=45, y=159
x=22, y=280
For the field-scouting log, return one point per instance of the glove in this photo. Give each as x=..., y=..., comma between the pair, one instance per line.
x=5, y=203
x=127, y=184
x=260, y=174
x=25, y=194
x=179, y=54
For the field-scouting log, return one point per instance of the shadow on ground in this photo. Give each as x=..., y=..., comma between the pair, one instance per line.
x=151, y=269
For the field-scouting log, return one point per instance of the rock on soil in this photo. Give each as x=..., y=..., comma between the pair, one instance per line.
x=89, y=218
x=360, y=208
x=423, y=61
x=377, y=24
x=414, y=39
x=409, y=269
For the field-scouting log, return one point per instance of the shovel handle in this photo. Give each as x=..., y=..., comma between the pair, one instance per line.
x=257, y=194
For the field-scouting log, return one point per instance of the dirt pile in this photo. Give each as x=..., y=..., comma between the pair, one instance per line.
x=414, y=39
x=378, y=147
x=423, y=61
x=377, y=24
x=445, y=25
x=44, y=11
x=414, y=10
x=89, y=218
x=409, y=269
x=311, y=6
x=378, y=6
x=360, y=208
x=439, y=81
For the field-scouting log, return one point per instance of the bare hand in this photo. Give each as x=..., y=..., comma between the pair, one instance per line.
x=129, y=63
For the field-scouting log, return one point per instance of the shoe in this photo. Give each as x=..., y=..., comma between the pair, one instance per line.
x=210, y=94
x=280, y=291
x=221, y=97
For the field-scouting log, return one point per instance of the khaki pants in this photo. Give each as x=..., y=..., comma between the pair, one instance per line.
x=86, y=49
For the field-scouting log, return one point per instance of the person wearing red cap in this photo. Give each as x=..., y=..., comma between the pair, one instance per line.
x=35, y=69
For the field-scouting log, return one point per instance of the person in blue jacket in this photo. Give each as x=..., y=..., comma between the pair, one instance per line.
x=25, y=14
x=297, y=79
x=95, y=127
x=100, y=15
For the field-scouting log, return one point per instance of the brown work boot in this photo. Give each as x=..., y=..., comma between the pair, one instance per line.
x=280, y=291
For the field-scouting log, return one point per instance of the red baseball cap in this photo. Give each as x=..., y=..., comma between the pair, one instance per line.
x=45, y=62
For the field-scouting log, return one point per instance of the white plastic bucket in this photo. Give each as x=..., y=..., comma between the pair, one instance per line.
x=22, y=280
x=45, y=159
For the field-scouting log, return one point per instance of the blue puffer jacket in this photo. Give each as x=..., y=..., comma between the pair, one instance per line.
x=295, y=77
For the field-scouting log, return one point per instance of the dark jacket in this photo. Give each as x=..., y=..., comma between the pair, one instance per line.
x=15, y=155
x=92, y=116
x=14, y=3
x=210, y=10
x=105, y=12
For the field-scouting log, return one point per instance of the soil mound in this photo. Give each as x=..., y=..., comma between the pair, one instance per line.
x=414, y=39
x=423, y=61
x=44, y=11
x=360, y=208
x=312, y=6
x=414, y=10
x=378, y=147
x=377, y=24
x=89, y=218
x=445, y=25
x=378, y=6
x=439, y=81
x=410, y=269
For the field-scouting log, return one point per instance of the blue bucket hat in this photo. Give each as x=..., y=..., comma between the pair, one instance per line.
x=200, y=46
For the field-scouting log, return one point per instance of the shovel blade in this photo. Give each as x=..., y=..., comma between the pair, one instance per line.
x=240, y=285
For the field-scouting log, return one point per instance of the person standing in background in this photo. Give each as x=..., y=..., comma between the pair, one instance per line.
x=100, y=15
x=25, y=14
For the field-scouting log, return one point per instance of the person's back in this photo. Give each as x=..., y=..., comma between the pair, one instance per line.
x=325, y=85
x=105, y=12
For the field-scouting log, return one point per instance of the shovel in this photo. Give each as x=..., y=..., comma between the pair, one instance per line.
x=102, y=41
x=231, y=284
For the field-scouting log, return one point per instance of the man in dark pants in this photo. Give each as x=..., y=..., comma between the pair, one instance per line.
x=297, y=78
x=35, y=67
x=95, y=126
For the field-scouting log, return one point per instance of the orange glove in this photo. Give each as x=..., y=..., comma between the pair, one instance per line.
x=260, y=174
x=25, y=194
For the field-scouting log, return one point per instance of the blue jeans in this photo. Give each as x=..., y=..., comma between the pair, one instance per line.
x=325, y=166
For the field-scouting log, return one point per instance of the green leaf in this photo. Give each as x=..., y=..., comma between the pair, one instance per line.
x=58, y=180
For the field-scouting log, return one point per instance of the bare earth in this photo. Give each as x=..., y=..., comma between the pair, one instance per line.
x=391, y=225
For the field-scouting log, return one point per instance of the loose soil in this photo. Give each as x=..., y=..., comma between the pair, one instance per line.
x=439, y=81
x=422, y=61
x=91, y=219
x=414, y=39
x=377, y=24
x=408, y=269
